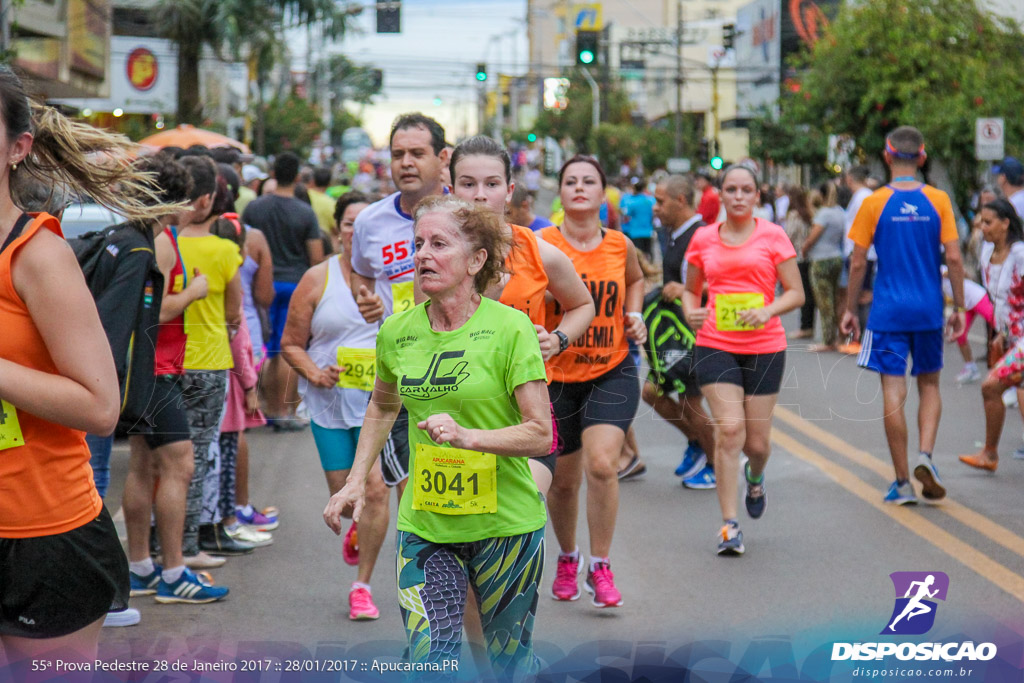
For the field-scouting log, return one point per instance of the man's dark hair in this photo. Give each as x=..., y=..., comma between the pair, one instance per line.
x=286, y=168
x=418, y=120
x=346, y=200
x=859, y=173
x=907, y=142
x=226, y=155
x=322, y=176
x=204, y=175
x=196, y=151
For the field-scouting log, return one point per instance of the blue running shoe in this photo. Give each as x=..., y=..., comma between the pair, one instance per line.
x=703, y=479
x=931, y=485
x=145, y=585
x=731, y=540
x=694, y=460
x=900, y=495
x=756, y=500
x=190, y=589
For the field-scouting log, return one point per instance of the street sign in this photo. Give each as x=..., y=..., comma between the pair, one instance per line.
x=678, y=165
x=989, y=139
x=587, y=17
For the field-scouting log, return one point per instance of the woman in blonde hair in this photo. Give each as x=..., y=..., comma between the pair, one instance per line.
x=61, y=564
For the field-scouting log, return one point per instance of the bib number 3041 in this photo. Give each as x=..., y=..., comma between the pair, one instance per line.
x=453, y=481
x=728, y=307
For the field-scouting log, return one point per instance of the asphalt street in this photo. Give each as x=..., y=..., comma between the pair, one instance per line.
x=816, y=568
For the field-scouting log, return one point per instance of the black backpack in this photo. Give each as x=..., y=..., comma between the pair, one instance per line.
x=670, y=342
x=89, y=248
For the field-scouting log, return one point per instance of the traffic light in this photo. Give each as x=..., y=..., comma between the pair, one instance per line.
x=389, y=16
x=703, y=150
x=481, y=72
x=717, y=162
x=586, y=47
x=376, y=80
x=729, y=36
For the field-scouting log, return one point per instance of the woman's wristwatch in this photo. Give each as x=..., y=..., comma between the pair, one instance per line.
x=563, y=340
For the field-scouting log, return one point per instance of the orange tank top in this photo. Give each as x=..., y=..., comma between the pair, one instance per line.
x=603, y=346
x=46, y=485
x=528, y=281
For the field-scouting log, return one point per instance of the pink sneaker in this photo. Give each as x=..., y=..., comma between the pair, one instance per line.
x=566, y=586
x=601, y=584
x=360, y=605
x=350, y=547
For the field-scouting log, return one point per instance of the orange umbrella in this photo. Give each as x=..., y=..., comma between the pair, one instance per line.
x=185, y=136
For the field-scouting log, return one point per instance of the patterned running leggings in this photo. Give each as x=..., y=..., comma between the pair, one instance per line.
x=825, y=280
x=505, y=574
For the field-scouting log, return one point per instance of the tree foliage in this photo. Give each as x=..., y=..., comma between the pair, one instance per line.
x=574, y=122
x=933, y=64
x=292, y=124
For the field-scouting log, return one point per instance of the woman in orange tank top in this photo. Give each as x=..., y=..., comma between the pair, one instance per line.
x=595, y=389
x=61, y=564
x=481, y=172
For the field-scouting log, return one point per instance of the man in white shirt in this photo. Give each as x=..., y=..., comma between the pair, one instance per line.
x=382, y=248
x=856, y=179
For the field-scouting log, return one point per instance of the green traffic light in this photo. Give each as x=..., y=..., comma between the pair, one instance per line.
x=586, y=57
x=481, y=76
x=717, y=163
x=531, y=137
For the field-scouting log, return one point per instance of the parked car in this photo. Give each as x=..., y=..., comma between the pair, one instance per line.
x=82, y=217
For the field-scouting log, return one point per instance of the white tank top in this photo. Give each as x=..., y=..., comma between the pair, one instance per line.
x=336, y=324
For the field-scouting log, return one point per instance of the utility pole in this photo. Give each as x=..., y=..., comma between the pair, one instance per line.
x=679, y=80
x=595, y=101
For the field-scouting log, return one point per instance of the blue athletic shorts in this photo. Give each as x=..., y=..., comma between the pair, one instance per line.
x=887, y=353
x=279, y=315
x=337, y=447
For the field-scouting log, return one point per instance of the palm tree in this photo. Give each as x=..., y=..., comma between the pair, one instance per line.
x=252, y=28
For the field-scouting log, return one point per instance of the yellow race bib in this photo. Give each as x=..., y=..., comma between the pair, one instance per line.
x=10, y=428
x=358, y=368
x=728, y=307
x=402, y=297
x=453, y=481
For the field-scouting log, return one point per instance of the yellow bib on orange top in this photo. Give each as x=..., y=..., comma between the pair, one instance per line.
x=603, y=346
x=46, y=484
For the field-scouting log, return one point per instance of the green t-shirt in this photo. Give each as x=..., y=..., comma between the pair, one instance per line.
x=471, y=374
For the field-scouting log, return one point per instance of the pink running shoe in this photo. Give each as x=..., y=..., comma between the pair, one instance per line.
x=566, y=586
x=360, y=605
x=350, y=547
x=601, y=584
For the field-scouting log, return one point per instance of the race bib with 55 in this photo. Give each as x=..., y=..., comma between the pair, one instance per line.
x=728, y=307
x=358, y=368
x=453, y=481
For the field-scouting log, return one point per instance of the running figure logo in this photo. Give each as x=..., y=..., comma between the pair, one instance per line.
x=908, y=209
x=914, y=612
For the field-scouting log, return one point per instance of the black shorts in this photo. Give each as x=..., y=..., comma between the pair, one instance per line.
x=166, y=421
x=759, y=374
x=609, y=399
x=51, y=586
x=394, y=459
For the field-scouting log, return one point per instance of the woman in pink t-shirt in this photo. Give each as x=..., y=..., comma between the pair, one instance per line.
x=740, y=352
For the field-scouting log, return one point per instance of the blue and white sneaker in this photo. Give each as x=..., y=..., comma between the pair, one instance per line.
x=730, y=539
x=190, y=589
x=925, y=472
x=145, y=585
x=756, y=500
x=900, y=495
x=694, y=460
x=703, y=479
